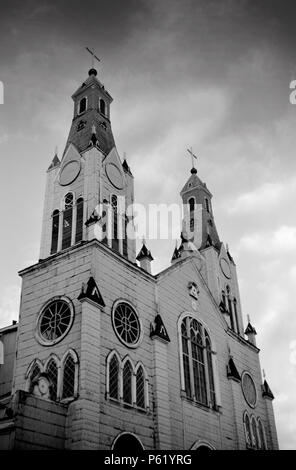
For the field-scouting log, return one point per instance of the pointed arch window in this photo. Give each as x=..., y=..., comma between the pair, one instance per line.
x=198, y=379
x=114, y=204
x=209, y=354
x=113, y=378
x=79, y=220
x=207, y=205
x=140, y=388
x=34, y=373
x=247, y=427
x=262, y=437
x=52, y=371
x=127, y=374
x=55, y=231
x=67, y=220
x=254, y=430
x=69, y=377
x=82, y=105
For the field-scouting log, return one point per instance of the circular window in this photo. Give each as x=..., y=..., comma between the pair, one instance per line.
x=54, y=321
x=126, y=324
x=249, y=389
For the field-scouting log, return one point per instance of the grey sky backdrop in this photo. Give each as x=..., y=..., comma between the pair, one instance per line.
x=211, y=74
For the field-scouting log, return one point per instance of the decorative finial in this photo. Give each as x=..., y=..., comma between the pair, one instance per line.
x=93, y=129
x=249, y=319
x=56, y=150
x=264, y=374
x=92, y=71
x=193, y=169
x=227, y=247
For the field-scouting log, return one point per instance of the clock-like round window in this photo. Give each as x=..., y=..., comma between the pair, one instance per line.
x=126, y=324
x=54, y=321
x=249, y=389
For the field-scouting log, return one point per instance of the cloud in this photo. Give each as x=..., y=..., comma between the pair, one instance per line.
x=263, y=198
x=278, y=242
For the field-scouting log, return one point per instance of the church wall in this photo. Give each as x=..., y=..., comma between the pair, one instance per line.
x=62, y=275
x=199, y=422
x=120, y=280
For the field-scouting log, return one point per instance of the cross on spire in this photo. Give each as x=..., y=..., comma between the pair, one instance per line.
x=190, y=151
x=93, y=56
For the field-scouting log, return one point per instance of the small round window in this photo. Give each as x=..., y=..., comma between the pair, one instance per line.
x=54, y=321
x=249, y=389
x=126, y=324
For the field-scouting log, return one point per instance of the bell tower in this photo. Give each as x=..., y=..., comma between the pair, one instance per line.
x=199, y=233
x=89, y=190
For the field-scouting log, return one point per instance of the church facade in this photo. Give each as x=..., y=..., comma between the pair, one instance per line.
x=109, y=356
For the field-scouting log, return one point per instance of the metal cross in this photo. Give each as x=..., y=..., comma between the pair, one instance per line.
x=190, y=151
x=93, y=56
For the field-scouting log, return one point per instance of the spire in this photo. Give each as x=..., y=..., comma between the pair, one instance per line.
x=92, y=104
x=250, y=332
x=266, y=391
x=55, y=161
x=125, y=165
x=145, y=258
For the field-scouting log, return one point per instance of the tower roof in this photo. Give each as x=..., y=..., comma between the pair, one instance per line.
x=96, y=113
x=194, y=182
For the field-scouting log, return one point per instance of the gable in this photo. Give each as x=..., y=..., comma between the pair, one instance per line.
x=113, y=170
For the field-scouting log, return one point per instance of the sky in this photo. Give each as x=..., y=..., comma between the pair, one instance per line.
x=209, y=74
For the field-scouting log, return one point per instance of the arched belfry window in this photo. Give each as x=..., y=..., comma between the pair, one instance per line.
x=67, y=220
x=198, y=381
x=55, y=231
x=82, y=105
x=191, y=203
x=114, y=204
x=79, y=220
x=207, y=205
x=230, y=308
x=102, y=106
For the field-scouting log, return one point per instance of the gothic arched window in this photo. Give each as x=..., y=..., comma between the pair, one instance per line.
x=255, y=437
x=82, y=105
x=140, y=388
x=197, y=364
x=102, y=106
x=79, y=220
x=67, y=220
x=113, y=378
x=207, y=204
x=33, y=374
x=114, y=204
x=55, y=231
x=52, y=372
x=127, y=374
x=262, y=437
x=210, y=369
x=70, y=372
x=247, y=427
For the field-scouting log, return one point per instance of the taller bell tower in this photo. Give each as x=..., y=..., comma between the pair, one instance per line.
x=89, y=190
